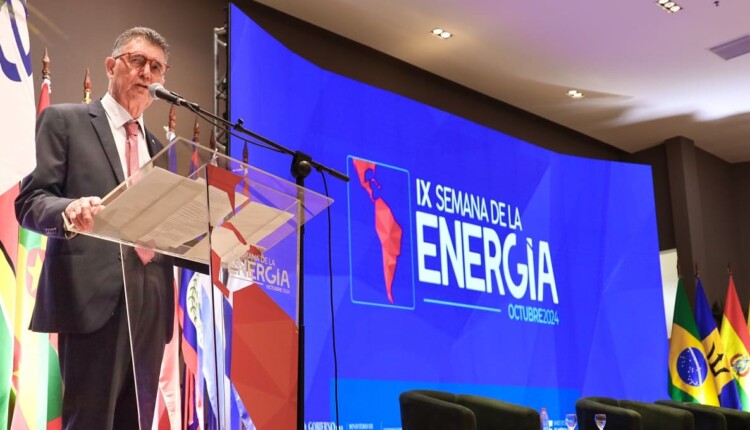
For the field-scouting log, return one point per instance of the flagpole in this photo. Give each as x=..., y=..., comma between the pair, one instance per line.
x=87, y=87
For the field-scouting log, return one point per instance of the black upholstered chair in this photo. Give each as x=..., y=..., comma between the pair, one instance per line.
x=705, y=419
x=660, y=417
x=618, y=418
x=438, y=410
x=736, y=420
x=496, y=414
x=434, y=410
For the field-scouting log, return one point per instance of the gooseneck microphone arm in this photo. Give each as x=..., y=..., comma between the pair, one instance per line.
x=302, y=165
x=157, y=91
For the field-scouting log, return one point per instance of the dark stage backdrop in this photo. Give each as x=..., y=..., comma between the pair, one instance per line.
x=464, y=259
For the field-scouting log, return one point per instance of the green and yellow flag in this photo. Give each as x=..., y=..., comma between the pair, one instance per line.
x=36, y=366
x=17, y=159
x=736, y=341
x=7, y=300
x=690, y=379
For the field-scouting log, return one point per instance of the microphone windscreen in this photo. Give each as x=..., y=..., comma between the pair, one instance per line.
x=153, y=88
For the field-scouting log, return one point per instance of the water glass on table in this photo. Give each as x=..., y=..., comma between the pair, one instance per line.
x=600, y=420
x=571, y=420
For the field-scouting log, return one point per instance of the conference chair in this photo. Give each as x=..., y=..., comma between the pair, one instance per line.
x=434, y=410
x=496, y=414
x=705, y=419
x=438, y=410
x=660, y=417
x=736, y=420
x=618, y=418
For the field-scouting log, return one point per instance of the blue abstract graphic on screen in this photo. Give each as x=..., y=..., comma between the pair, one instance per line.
x=464, y=259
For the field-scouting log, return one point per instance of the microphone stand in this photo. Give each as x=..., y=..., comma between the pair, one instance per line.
x=302, y=165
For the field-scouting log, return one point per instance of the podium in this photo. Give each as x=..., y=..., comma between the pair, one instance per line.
x=193, y=207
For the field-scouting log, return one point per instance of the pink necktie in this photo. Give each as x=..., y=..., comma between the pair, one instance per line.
x=131, y=157
x=131, y=147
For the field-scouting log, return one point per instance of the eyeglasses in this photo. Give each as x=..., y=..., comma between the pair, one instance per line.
x=138, y=61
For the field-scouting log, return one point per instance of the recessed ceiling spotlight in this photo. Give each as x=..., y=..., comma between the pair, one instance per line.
x=575, y=94
x=669, y=5
x=439, y=32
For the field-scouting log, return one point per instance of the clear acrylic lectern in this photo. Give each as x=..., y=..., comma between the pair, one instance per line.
x=193, y=207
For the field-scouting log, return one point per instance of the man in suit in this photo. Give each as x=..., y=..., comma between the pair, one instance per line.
x=81, y=156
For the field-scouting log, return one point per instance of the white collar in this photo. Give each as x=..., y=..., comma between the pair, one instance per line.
x=117, y=114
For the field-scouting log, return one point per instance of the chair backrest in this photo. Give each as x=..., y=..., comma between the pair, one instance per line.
x=660, y=417
x=606, y=400
x=494, y=414
x=736, y=420
x=434, y=410
x=618, y=418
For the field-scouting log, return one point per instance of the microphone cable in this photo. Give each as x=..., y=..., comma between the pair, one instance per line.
x=333, y=318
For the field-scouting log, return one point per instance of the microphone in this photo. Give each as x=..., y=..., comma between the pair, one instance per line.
x=157, y=91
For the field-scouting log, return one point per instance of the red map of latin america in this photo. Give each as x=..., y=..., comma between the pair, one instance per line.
x=388, y=230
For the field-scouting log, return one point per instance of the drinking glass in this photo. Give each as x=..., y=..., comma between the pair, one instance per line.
x=600, y=420
x=571, y=420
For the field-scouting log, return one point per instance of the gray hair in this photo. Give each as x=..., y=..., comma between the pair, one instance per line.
x=150, y=35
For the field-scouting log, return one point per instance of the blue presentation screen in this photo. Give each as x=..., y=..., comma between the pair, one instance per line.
x=464, y=259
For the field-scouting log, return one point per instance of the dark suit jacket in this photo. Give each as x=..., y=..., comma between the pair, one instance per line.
x=81, y=280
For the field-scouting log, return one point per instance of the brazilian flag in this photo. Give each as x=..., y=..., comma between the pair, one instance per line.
x=690, y=378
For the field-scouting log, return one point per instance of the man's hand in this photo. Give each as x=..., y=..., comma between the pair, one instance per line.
x=81, y=212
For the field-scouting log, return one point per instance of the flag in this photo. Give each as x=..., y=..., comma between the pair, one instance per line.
x=205, y=317
x=167, y=415
x=214, y=355
x=188, y=314
x=8, y=241
x=736, y=341
x=39, y=390
x=17, y=88
x=8, y=253
x=689, y=377
x=718, y=361
x=172, y=151
x=169, y=398
x=17, y=160
x=39, y=383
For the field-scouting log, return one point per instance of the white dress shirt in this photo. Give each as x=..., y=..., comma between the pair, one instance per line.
x=118, y=116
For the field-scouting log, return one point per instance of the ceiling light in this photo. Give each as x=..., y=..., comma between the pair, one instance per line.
x=669, y=5
x=575, y=94
x=439, y=32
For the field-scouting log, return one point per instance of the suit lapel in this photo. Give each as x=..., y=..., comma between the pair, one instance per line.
x=153, y=145
x=101, y=125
